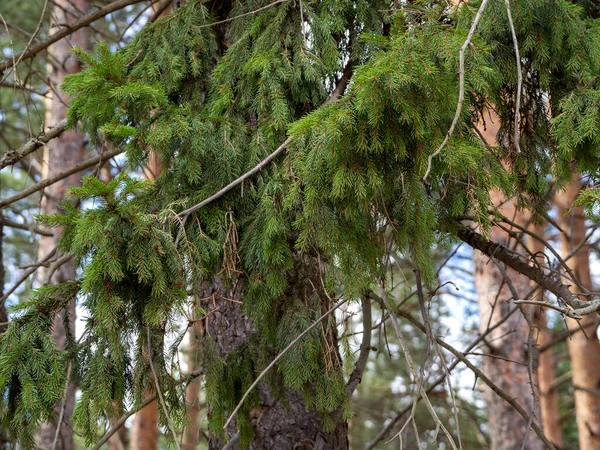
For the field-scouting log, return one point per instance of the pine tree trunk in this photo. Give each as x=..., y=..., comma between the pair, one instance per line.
x=584, y=348
x=60, y=153
x=192, y=393
x=278, y=424
x=548, y=393
x=508, y=430
x=144, y=431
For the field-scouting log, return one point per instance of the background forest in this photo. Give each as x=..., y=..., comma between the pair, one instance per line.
x=299, y=224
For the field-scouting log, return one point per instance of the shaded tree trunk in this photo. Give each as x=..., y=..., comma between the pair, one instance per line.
x=546, y=373
x=584, y=348
x=60, y=153
x=283, y=424
x=507, y=362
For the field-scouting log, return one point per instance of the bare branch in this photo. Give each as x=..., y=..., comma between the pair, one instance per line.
x=483, y=377
x=365, y=348
x=65, y=31
x=119, y=423
x=519, y=75
x=26, y=275
x=59, y=176
x=26, y=227
x=492, y=249
x=13, y=156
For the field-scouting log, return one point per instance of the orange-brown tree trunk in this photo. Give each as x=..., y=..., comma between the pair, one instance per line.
x=584, y=348
x=192, y=392
x=507, y=360
x=144, y=431
x=546, y=372
x=59, y=154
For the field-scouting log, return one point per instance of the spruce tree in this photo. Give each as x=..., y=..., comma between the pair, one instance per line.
x=353, y=98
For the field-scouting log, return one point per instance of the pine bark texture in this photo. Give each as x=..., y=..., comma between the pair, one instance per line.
x=64, y=151
x=584, y=348
x=546, y=372
x=507, y=362
x=282, y=424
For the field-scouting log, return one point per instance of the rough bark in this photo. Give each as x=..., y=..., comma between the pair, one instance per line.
x=60, y=153
x=508, y=430
x=546, y=372
x=283, y=424
x=584, y=348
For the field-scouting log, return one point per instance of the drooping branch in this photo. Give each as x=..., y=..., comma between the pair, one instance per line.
x=336, y=94
x=65, y=31
x=554, y=285
x=13, y=156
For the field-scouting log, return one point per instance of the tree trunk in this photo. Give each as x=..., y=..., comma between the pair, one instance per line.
x=508, y=430
x=283, y=424
x=192, y=393
x=584, y=348
x=546, y=372
x=64, y=151
x=144, y=431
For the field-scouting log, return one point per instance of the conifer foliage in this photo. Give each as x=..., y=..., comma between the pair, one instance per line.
x=213, y=95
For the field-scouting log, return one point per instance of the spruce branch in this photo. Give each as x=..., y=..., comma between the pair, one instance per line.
x=63, y=406
x=336, y=94
x=65, y=31
x=461, y=92
x=13, y=156
x=249, y=13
